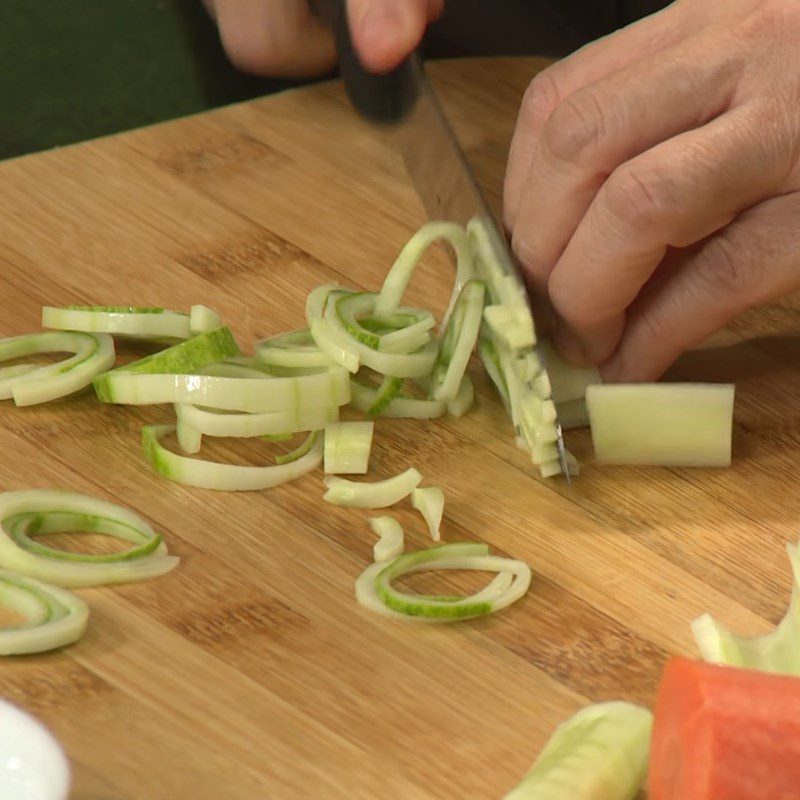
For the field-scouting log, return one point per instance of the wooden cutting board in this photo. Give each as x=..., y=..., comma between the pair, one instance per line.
x=250, y=672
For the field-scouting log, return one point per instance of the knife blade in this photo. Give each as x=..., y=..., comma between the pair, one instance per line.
x=404, y=104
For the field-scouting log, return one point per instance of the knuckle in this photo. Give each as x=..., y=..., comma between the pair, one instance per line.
x=637, y=197
x=576, y=127
x=724, y=272
x=540, y=100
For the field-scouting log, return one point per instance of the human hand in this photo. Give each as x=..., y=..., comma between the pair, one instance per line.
x=653, y=183
x=282, y=38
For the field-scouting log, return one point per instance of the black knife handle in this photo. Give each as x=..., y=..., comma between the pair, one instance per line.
x=385, y=98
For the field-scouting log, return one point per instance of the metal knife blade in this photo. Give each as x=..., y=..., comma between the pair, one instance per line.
x=405, y=106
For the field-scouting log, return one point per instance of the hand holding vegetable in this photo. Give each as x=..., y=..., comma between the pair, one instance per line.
x=653, y=184
x=281, y=38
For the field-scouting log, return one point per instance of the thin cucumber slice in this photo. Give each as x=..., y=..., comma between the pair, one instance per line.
x=399, y=276
x=293, y=349
x=351, y=307
x=391, y=538
x=93, y=353
x=667, y=424
x=600, y=752
x=403, y=365
x=22, y=527
x=463, y=400
x=253, y=395
x=374, y=588
x=567, y=382
x=54, y=617
x=458, y=342
x=300, y=451
x=331, y=342
x=222, y=477
x=430, y=503
x=128, y=321
x=75, y=573
x=378, y=494
x=365, y=398
x=385, y=393
x=347, y=447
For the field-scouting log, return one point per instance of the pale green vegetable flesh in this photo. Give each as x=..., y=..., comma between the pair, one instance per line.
x=301, y=450
x=180, y=360
x=667, y=424
x=223, y=477
x=23, y=527
x=366, y=399
x=295, y=349
x=430, y=503
x=347, y=447
x=390, y=544
x=778, y=651
x=567, y=383
x=377, y=494
x=600, y=753
x=385, y=393
x=53, y=617
x=374, y=589
x=29, y=384
x=506, y=347
x=50, y=510
x=458, y=342
x=128, y=321
x=464, y=399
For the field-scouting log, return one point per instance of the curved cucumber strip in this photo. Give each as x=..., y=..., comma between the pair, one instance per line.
x=378, y=494
x=600, y=752
x=30, y=385
x=332, y=343
x=223, y=477
x=403, y=365
x=347, y=447
x=53, y=617
x=253, y=395
x=21, y=527
x=74, y=573
x=396, y=282
x=130, y=321
x=390, y=544
x=375, y=592
x=458, y=342
x=295, y=349
x=464, y=398
x=778, y=651
x=181, y=359
x=300, y=451
x=384, y=394
x=365, y=398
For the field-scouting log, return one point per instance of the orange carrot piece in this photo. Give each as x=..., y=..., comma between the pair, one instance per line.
x=723, y=733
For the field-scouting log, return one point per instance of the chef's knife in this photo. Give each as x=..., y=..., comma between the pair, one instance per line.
x=405, y=105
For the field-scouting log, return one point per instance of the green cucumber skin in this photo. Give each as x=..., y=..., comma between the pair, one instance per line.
x=152, y=451
x=118, y=309
x=421, y=609
x=199, y=351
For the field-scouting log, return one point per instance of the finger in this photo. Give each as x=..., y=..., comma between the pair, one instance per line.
x=675, y=194
x=753, y=261
x=554, y=84
x=280, y=38
x=605, y=124
x=385, y=31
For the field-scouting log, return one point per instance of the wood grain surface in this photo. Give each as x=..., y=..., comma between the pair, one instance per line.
x=250, y=672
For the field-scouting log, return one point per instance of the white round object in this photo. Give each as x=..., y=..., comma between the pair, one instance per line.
x=32, y=764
